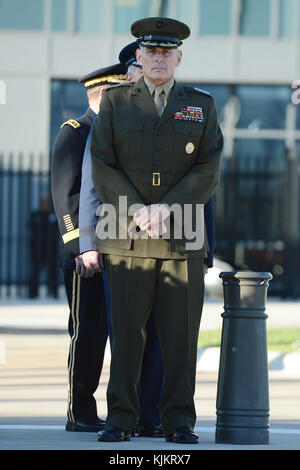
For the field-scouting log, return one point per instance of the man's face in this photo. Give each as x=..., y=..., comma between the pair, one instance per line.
x=138, y=72
x=158, y=63
x=134, y=73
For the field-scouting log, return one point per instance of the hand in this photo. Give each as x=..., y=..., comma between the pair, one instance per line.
x=89, y=263
x=151, y=219
x=205, y=268
x=156, y=230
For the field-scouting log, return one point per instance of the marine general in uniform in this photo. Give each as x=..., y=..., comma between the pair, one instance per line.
x=156, y=144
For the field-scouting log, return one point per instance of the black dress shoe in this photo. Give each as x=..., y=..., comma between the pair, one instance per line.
x=81, y=426
x=113, y=434
x=151, y=430
x=183, y=435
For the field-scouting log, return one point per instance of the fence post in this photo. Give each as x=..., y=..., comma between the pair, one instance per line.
x=243, y=389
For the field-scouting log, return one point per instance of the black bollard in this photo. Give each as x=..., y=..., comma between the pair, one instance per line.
x=243, y=380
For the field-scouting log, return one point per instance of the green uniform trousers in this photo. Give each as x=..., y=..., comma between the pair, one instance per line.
x=174, y=288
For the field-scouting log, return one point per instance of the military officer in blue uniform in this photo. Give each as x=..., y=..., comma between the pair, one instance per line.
x=156, y=151
x=85, y=293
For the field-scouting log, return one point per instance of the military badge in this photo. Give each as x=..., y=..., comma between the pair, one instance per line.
x=190, y=113
x=189, y=148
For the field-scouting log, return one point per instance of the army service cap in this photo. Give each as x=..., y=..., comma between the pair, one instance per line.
x=127, y=55
x=105, y=76
x=160, y=32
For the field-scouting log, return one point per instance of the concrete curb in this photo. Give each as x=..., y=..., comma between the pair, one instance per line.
x=280, y=364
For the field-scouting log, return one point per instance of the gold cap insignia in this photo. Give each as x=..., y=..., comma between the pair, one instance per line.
x=189, y=148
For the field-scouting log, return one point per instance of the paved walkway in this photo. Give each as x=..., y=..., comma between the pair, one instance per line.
x=33, y=387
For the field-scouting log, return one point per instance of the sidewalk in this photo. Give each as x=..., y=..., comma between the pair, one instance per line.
x=51, y=317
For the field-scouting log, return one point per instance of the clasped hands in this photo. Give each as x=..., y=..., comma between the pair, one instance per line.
x=149, y=218
x=152, y=219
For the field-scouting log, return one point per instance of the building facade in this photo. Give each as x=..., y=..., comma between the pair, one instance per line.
x=246, y=52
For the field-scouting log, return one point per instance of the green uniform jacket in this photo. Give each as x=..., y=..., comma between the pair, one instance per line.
x=151, y=159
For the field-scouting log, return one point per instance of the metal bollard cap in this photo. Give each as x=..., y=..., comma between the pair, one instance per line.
x=245, y=275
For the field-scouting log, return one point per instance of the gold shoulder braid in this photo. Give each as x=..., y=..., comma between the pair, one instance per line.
x=108, y=79
x=71, y=122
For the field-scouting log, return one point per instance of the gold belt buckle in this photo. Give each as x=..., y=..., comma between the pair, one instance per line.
x=155, y=179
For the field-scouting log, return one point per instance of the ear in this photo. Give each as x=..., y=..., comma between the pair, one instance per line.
x=103, y=88
x=179, y=57
x=138, y=54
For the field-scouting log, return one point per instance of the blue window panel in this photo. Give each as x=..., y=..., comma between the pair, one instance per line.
x=20, y=14
x=58, y=15
x=215, y=17
x=253, y=154
x=90, y=16
x=128, y=11
x=298, y=117
x=183, y=13
x=263, y=107
x=255, y=17
x=286, y=18
x=68, y=101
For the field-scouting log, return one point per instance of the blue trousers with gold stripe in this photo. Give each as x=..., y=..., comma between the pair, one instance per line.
x=88, y=332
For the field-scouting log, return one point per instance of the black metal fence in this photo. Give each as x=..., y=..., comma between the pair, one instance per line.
x=29, y=257
x=256, y=214
x=257, y=218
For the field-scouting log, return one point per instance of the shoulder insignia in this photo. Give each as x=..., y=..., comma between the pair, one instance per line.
x=197, y=90
x=72, y=122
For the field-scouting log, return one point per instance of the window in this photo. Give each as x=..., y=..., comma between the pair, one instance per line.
x=287, y=18
x=260, y=154
x=182, y=13
x=90, y=17
x=58, y=15
x=255, y=17
x=18, y=14
x=263, y=107
x=128, y=11
x=215, y=16
x=298, y=117
x=68, y=101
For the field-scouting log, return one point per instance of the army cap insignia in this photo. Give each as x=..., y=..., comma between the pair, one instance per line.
x=190, y=113
x=189, y=148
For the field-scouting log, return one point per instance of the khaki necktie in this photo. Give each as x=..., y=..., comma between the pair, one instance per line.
x=159, y=99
